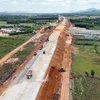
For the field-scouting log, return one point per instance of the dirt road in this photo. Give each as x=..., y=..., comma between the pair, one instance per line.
x=9, y=55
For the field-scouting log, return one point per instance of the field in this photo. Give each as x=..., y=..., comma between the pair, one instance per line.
x=86, y=88
x=86, y=59
x=4, y=23
x=7, y=44
x=82, y=17
x=98, y=49
x=91, y=22
x=92, y=42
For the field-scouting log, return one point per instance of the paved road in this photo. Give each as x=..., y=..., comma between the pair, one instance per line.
x=24, y=89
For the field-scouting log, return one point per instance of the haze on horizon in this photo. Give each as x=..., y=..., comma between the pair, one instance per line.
x=47, y=6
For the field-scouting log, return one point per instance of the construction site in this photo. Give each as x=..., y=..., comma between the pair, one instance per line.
x=45, y=74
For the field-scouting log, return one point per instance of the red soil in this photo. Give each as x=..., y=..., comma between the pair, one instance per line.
x=51, y=90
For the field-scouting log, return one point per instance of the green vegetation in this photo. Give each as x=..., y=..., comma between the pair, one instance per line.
x=22, y=21
x=92, y=42
x=98, y=49
x=7, y=44
x=85, y=60
x=24, y=54
x=26, y=24
x=89, y=23
x=86, y=88
x=86, y=70
x=10, y=68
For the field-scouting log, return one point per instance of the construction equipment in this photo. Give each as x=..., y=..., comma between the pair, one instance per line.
x=35, y=54
x=29, y=74
x=47, y=40
x=41, y=47
x=62, y=70
x=44, y=52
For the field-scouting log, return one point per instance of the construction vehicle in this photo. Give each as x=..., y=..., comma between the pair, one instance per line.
x=44, y=52
x=47, y=40
x=35, y=54
x=41, y=47
x=29, y=74
x=62, y=70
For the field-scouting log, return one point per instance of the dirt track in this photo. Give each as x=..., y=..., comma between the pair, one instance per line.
x=9, y=55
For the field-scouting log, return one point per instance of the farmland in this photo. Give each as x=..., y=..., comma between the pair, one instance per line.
x=7, y=44
x=91, y=23
x=86, y=59
x=86, y=88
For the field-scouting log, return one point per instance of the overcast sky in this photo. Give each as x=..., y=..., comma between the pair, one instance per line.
x=48, y=6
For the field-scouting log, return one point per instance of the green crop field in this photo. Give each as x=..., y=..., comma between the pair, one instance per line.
x=86, y=88
x=7, y=44
x=3, y=23
x=85, y=60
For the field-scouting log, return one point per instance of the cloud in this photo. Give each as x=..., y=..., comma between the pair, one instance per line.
x=47, y=5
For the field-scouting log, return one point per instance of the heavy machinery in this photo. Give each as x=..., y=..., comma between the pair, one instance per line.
x=41, y=47
x=44, y=52
x=35, y=54
x=62, y=69
x=29, y=74
x=47, y=40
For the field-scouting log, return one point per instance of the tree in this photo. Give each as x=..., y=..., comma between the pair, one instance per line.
x=87, y=74
x=92, y=73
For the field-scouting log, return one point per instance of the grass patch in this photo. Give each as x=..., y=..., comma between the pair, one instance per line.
x=87, y=59
x=98, y=49
x=4, y=23
x=86, y=88
x=84, y=60
x=7, y=44
x=87, y=41
x=24, y=54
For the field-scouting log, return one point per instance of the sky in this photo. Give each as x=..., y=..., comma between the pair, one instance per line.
x=47, y=6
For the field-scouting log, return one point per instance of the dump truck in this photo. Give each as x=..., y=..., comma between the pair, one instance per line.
x=29, y=74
